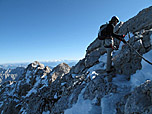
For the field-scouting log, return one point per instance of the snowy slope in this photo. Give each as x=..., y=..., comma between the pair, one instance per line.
x=124, y=86
x=145, y=74
x=108, y=102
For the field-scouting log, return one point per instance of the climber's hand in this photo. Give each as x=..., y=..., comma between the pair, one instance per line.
x=122, y=36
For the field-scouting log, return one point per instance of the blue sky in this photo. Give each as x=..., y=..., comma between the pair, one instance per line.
x=46, y=30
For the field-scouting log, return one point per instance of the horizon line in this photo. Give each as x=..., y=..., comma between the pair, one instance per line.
x=27, y=62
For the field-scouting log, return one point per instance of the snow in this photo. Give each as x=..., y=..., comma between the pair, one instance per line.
x=108, y=103
x=145, y=74
x=100, y=66
x=22, y=111
x=92, y=75
x=44, y=80
x=11, y=83
x=12, y=91
x=39, y=80
x=75, y=83
x=84, y=106
x=63, y=83
x=55, y=96
x=2, y=111
x=34, y=89
x=81, y=107
x=127, y=36
x=1, y=104
x=16, y=100
x=123, y=85
x=73, y=75
x=151, y=39
x=48, y=112
x=103, y=60
x=43, y=76
x=28, y=76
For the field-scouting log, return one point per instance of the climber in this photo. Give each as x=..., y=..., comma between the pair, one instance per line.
x=107, y=35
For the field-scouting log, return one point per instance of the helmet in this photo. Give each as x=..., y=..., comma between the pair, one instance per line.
x=115, y=18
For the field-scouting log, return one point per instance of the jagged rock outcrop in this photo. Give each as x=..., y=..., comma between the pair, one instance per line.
x=86, y=88
x=10, y=74
x=128, y=61
x=142, y=21
x=138, y=101
x=59, y=71
x=33, y=93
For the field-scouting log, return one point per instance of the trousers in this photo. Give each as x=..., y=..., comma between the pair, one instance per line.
x=109, y=58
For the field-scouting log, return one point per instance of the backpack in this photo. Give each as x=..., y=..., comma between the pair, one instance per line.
x=101, y=30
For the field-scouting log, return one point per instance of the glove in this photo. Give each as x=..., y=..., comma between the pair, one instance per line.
x=122, y=36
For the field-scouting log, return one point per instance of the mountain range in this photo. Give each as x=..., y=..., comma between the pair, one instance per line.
x=12, y=72
x=51, y=64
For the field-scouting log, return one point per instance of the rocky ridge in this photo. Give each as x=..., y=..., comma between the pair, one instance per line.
x=10, y=74
x=86, y=88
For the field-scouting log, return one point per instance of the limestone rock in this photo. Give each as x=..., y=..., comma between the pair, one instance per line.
x=10, y=74
x=139, y=101
x=139, y=22
x=59, y=71
x=79, y=67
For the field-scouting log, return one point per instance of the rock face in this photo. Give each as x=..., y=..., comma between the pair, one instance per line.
x=142, y=21
x=34, y=83
x=86, y=88
x=10, y=74
x=138, y=101
x=127, y=61
x=59, y=71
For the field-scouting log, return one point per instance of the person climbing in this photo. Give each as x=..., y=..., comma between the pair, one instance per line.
x=107, y=35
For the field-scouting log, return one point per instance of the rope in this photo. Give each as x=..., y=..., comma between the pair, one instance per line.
x=138, y=52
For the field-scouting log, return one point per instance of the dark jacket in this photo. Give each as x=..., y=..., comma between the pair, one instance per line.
x=109, y=31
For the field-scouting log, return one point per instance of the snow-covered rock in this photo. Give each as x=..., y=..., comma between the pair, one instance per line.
x=138, y=101
x=30, y=93
x=10, y=74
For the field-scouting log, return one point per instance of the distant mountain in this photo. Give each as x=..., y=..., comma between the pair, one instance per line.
x=56, y=62
x=51, y=64
x=10, y=74
x=13, y=65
